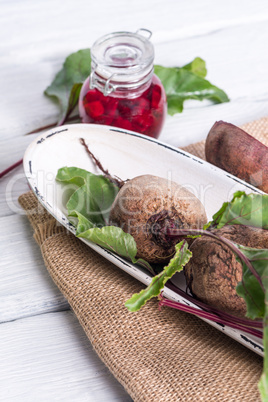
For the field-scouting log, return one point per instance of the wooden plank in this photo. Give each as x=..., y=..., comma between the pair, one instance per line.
x=234, y=48
x=14, y=183
x=49, y=358
x=189, y=127
x=26, y=288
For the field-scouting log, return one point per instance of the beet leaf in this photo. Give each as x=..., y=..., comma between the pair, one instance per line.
x=197, y=66
x=176, y=264
x=66, y=86
x=182, y=84
x=69, y=175
x=243, y=209
x=249, y=288
x=89, y=195
x=93, y=200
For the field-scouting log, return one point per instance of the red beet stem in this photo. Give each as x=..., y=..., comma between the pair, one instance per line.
x=10, y=168
x=209, y=316
x=225, y=316
x=113, y=179
x=66, y=120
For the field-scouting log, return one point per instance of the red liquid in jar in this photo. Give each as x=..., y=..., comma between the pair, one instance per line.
x=144, y=114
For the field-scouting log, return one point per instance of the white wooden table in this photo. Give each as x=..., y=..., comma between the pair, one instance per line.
x=44, y=353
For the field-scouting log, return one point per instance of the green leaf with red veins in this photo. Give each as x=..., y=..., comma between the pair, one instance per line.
x=93, y=200
x=89, y=194
x=72, y=175
x=249, y=288
x=72, y=102
x=176, y=264
x=66, y=86
x=243, y=209
x=182, y=84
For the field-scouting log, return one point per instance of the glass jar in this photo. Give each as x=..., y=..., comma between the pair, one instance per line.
x=122, y=89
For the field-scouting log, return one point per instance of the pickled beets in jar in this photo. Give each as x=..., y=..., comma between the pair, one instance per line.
x=122, y=90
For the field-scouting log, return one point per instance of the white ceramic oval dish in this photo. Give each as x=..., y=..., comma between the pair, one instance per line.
x=126, y=155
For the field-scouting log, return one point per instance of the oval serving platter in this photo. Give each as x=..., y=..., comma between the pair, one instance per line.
x=127, y=154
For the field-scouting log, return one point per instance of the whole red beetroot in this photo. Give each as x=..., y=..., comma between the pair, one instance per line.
x=238, y=153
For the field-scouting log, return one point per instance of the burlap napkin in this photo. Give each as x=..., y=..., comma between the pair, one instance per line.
x=156, y=355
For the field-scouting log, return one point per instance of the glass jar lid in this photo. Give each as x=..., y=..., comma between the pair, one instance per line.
x=122, y=57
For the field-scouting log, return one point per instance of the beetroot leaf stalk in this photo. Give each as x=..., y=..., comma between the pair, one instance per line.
x=37, y=130
x=113, y=179
x=66, y=120
x=209, y=316
x=10, y=168
x=225, y=316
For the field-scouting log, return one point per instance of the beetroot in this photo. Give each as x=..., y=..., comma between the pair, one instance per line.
x=237, y=152
x=213, y=272
x=147, y=207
